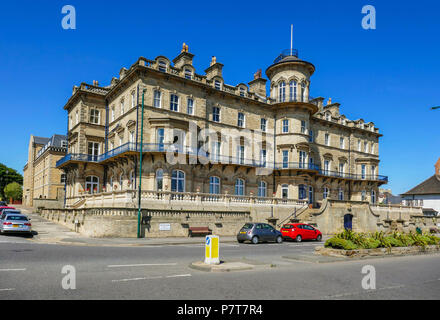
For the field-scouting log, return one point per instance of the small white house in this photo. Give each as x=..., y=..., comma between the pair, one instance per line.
x=426, y=194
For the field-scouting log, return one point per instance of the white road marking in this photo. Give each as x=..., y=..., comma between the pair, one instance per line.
x=12, y=269
x=10, y=289
x=153, y=278
x=142, y=265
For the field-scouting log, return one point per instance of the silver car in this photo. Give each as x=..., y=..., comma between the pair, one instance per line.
x=259, y=232
x=14, y=221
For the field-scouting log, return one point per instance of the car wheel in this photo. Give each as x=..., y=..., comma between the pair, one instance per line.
x=319, y=238
x=279, y=239
x=240, y=241
x=255, y=240
x=298, y=238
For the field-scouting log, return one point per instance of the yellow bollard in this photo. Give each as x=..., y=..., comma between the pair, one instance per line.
x=212, y=246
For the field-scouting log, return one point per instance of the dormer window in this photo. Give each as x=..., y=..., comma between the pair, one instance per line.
x=64, y=144
x=162, y=66
x=188, y=74
x=328, y=116
x=242, y=92
x=217, y=84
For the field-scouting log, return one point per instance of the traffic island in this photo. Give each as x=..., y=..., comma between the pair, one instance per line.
x=229, y=266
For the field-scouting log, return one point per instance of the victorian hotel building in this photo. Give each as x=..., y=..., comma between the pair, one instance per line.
x=203, y=137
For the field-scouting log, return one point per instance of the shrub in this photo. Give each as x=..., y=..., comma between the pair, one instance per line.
x=338, y=243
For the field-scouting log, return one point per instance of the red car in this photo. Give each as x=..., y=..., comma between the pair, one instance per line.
x=300, y=231
x=2, y=208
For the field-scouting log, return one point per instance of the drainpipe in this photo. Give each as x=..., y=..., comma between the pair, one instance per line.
x=137, y=129
x=140, y=167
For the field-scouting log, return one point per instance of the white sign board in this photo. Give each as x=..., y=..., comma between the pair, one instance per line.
x=164, y=227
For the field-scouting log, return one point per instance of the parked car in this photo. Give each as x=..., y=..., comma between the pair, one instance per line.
x=259, y=232
x=14, y=222
x=5, y=207
x=3, y=203
x=300, y=232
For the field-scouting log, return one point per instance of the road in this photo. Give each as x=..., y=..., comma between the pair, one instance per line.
x=30, y=270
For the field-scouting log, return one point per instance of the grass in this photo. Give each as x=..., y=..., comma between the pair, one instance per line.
x=350, y=240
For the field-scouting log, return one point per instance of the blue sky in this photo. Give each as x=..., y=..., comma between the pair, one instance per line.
x=389, y=75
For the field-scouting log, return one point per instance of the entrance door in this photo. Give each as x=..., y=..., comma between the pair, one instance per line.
x=348, y=222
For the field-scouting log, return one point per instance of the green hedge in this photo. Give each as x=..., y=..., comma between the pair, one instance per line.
x=349, y=240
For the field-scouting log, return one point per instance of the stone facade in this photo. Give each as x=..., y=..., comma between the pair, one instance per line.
x=228, y=140
x=41, y=178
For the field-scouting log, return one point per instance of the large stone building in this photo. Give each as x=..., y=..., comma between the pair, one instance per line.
x=41, y=178
x=209, y=147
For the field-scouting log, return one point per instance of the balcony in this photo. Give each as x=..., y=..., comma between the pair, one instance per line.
x=353, y=176
x=296, y=165
x=76, y=157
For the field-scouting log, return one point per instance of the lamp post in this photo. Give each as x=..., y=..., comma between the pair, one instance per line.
x=434, y=108
x=140, y=167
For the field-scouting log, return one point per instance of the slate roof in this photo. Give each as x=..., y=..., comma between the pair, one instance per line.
x=41, y=140
x=429, y=186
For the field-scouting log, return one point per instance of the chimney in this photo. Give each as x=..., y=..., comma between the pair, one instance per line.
x=329, y=102
x=258, y=85
x=95, y=83
x=183, y=58
x=437, y=168
x=215, y=69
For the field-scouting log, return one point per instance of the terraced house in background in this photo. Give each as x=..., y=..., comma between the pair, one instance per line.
x=310, y=151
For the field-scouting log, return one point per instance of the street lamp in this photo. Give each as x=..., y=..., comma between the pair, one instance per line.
x=140, y=167
x=434, y=108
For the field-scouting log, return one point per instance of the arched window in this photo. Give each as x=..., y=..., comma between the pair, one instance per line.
x=341, y=194
x=311, y=194
x=364, y=195
x=121, y=181
x=162, y=66
x=326, y=193
x=302, y=192
x=159, y=180
x=188, y=74
x=373, y=196
x=214, y=185
x=239, y=187
x=262, y=189
x=178, y=181
x=303, y=92
x=92, y=184
x=293, y=91
x=282, y=93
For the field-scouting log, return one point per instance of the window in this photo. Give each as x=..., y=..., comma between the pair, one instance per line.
x=216, y=114
x=112, y=114
x=239, y=187
x=188, y=74
x=363, y=173
x=240, y=122
x=132, y=179
x=63, y=178
x=121, y=180
x=327, y=139
x=240, y=154
x=373, y=196
x=133, y=99
x=285, y=126
x=311, y=137
x=94, y=116
x=190, y=106
x=341, y=143
x=285, y=191
x=76, y=117
x=215, y=151
x=293, y=91
x=242, y=92
x=263, y=153
x=341, y=169
x=285, y=158
x=366, y=147
x=174, y=102
x=364, y=195
x=131, y=137
x=122, y=107
x=359, y=145
x=217, y=84
x=92, y=184
x=302, y=159
x=162, y=66
x=373, y=172
x=214, y=185
x=303, y=92
x=328, y=116
x=64, y=143
x=341, y=194
x=302, y=192
x=326, y=193
x=263, y=124
x=282, y=92
x=373, y=146
x=93, y=151
x=111, y=183
x=326, y=167
x=303, y=127
x=159, y=179
x=178, y=181
x=311, y=193
x=160, y=137
x=262, y=189
x=157, y=99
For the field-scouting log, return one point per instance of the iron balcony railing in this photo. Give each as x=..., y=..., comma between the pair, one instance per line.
x=296, y=165
x=353, y=176
x=286, y=53
x=77, y=157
